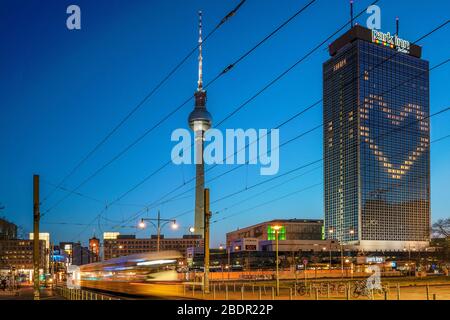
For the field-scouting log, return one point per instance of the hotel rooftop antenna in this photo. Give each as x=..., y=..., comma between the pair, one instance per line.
x=351, y=13
x=397, y=26
x=200, y=121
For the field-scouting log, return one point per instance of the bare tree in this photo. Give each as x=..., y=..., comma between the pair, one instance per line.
x=441, y=228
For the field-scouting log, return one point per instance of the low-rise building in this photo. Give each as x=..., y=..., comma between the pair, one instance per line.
x=17, y=255
x=122, y=245
x=291, y=229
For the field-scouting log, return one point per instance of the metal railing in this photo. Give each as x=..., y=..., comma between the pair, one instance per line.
x=79, y=294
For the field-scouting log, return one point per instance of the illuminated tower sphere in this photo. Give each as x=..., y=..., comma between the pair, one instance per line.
x=199, y=121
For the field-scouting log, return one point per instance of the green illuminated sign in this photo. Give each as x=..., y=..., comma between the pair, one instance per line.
x=271, y=233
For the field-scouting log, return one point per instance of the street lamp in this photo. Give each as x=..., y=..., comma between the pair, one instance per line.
x=277, y=228
x=158, y=226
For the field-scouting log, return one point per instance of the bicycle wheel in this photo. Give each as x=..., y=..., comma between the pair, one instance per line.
x=341, y=288
x=301, y=290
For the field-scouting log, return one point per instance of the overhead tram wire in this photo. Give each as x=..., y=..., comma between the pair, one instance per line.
x=223, y=72
x=380, y=136
x=277, y=79
x=303, y=166
x=397, y=185
x=437, y=28
x=144, y=100
x=290, y=194
x=414, y=77
x=317, y=102
x=265, y=88
x=64, y=189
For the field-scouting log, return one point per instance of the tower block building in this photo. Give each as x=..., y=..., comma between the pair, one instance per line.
x=200, y=121
x=376, y=142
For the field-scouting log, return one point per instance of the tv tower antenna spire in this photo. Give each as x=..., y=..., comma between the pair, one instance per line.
x=200, y=57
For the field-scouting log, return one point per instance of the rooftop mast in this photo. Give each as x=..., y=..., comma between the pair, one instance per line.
x=200, y=57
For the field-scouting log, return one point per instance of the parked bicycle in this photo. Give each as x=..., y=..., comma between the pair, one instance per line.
x=360, y=288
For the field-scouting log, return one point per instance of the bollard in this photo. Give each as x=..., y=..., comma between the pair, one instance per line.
x=310, y=289
x=226, y=292
x=260, y=294
x=328, y=290
x=242, y=293
x=347, y=291
x=290, y=293
x=264, y=286
x=273, y=293
x=398, y=291
x=316, y=293
x=385, y=295
x=96, y=296
x=434, y=296
x=193, y=289
x=234, y=286
x=428, y=292
x=295, y=289
x=91, y=296
x=82, y=295
x=253, y=288
x=214, y=291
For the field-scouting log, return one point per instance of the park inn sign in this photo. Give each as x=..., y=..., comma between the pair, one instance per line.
x=392, y=41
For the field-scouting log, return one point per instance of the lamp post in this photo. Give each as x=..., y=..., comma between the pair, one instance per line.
x=330, y=232
x=158, y=226
x=277, y=228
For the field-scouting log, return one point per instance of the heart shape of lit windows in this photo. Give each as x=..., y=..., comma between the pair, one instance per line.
x=396, y=119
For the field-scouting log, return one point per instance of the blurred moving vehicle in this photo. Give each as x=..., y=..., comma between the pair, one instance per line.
x=146, y=274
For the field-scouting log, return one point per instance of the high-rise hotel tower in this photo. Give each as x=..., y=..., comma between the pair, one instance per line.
x=376, y=142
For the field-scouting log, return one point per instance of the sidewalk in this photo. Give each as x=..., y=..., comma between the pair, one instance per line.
x=26, y=293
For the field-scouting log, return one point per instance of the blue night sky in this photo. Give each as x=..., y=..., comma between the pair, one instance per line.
x=62, y=91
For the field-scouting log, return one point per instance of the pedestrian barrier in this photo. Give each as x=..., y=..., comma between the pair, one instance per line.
x=79, y=294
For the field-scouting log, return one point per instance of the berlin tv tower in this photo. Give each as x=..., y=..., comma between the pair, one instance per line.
x=199, y=121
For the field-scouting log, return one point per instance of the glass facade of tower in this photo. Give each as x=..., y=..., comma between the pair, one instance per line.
x=376, y=145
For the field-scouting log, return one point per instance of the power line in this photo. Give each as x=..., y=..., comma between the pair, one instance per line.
x=312, y=186
x=391, y=56
x=224, y=71
x=144, y=100
x=273, y=82
x=268, y=86
x=319, y=101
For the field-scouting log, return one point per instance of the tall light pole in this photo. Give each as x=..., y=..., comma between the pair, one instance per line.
x=36, y=252
x=158, y=226
x=330, y=232
x=277, y=228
